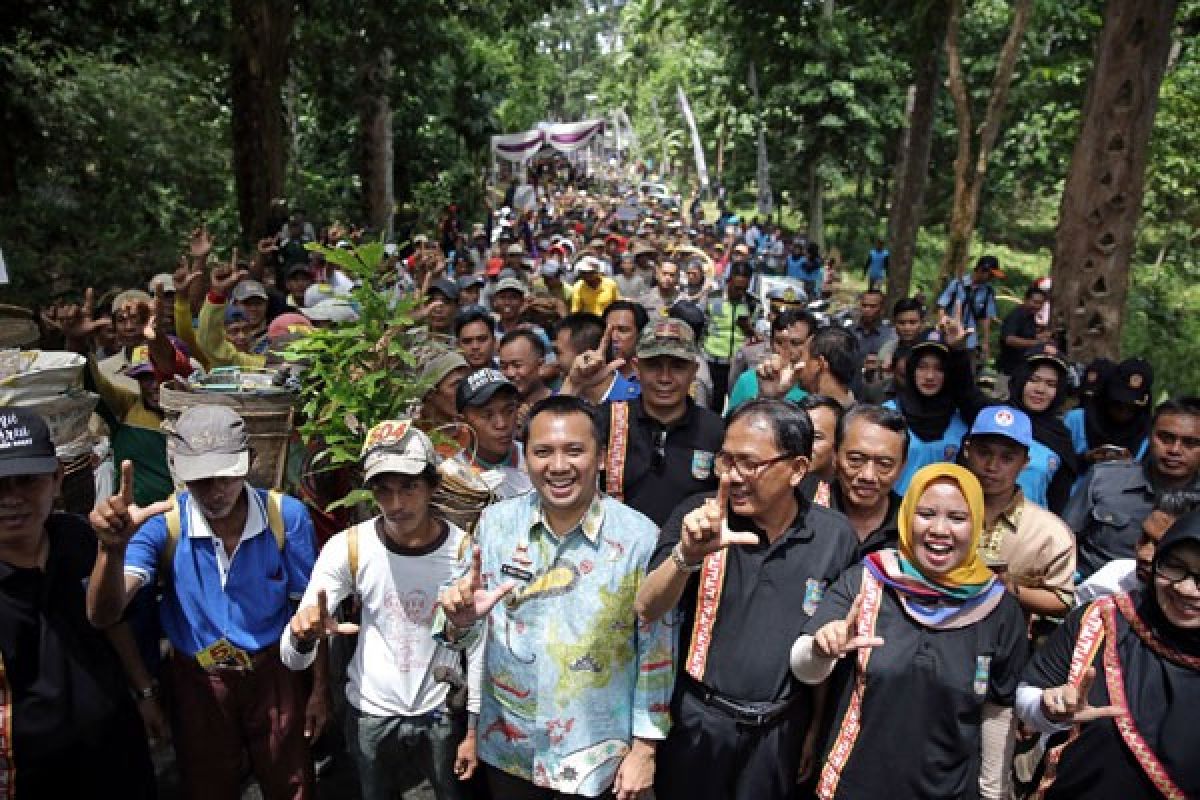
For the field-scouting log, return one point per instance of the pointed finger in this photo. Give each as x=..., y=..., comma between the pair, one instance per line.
x=864, y=643
x=126, y=490
x=154, y=509
x=476, y=573
x=323, y=604
x=723, y=488
x=604, y=342
x=1085, y=685
x=730, y=537
x=346, y=629
x=1101, y=712
x=89, y=300
x=490, y=599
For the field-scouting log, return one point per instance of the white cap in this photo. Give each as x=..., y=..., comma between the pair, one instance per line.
x=332, y=311
x=397, y=445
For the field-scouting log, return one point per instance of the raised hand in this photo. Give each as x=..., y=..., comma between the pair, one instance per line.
x=776, y=376
x=312, y=622
x=1068, y=705
x=226, y=276
x=115, y=519
x=467, y=600
x=952, y=330
x=267, y=246
x=78, y=323
x=589, y=368
x=200, y=244
x=840, y=637
x=706, y=529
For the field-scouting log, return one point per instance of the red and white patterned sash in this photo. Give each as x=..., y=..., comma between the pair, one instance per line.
x=708, y=601
x=8, y=767
x=618, y=443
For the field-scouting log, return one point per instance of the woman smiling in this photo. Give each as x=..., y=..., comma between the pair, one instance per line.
x=923, y=704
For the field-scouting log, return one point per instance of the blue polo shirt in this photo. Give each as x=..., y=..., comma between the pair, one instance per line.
x=245, y=598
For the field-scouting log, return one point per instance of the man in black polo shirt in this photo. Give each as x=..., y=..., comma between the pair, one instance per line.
x=70, y=727
x=872, y=442
x=661, y=445
x=743, y=572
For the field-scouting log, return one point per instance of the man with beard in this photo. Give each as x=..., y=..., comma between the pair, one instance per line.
x=232, y=559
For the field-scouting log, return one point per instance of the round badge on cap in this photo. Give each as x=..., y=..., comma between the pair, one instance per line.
x=1004, y=418
x=1135, y=381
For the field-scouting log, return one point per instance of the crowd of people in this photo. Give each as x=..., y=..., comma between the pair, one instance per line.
x=736, y=547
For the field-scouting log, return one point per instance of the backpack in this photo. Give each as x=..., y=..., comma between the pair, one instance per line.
x=175, y=526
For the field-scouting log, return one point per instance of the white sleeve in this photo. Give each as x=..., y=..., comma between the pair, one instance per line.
x=331, y=573
x=807, y=666
x=475, y=669
x=1029, y=710
x=997, y=750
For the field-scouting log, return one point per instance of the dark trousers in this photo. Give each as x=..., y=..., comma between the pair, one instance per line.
x=720, y=377
x=218, y=717
x=710, y=756
x=509, y=787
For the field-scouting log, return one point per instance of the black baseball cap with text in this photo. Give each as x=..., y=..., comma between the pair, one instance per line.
x=26, y=447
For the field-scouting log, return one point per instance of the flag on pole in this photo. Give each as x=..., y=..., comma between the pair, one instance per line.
x=686, y=110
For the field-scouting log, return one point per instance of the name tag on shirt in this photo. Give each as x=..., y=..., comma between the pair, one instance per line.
x=512, y=571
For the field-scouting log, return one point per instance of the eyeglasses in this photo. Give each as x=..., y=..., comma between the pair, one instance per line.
x=748, y=468
x=1175, y=573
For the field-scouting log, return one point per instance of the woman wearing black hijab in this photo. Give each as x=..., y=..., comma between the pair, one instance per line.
x=1115, y=421
x=1038, y=387
x=1121, y=677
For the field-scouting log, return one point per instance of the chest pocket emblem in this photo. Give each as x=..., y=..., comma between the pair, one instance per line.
x=814, y=592
x=983, y=673
x=702, y=464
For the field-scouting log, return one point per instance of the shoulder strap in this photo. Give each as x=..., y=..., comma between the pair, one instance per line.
x=839, y=754
x=174, y=527
x=352, y=554
x=275, y=518
x=618, y=446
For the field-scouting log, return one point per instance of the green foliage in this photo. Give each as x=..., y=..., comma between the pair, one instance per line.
x=357, y=374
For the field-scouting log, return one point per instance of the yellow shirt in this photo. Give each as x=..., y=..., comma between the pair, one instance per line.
x=585, y=298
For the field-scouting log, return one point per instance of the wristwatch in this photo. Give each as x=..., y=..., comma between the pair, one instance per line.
x=681, y=563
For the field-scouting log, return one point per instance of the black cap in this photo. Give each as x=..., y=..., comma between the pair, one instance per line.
x=25, y=444
x=297, y=268
x=1095, y=375
x=1130, y=382
x=1049, y=354
x=479, y=387
x=446, y=286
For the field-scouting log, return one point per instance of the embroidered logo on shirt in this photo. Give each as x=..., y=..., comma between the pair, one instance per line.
x=814, y=592
x=702, y=464
x=983, y=671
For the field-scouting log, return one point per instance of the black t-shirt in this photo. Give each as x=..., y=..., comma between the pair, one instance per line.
x=1163, y=698
x=1020, y=322
x=73, y=717
x=886, y=535
x=923, y=706
x=769, y=593
x=665, y=464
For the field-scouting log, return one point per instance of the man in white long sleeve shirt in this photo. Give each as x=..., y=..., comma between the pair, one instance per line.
x=397, y=717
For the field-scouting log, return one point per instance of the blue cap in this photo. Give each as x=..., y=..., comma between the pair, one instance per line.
x=1004, y=421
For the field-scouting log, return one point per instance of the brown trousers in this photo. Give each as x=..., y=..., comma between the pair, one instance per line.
x=219, y=718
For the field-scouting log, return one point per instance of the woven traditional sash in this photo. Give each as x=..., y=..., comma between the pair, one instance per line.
x=618, y=444
x=839, y=754
x=8, y=767
x=1099, y=628
x=708, y=600
x=1125, y=606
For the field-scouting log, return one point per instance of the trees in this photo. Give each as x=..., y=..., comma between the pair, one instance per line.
x=971, y=161
x=1103, y=195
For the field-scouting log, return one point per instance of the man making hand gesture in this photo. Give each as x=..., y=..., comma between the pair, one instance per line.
x=742, y=572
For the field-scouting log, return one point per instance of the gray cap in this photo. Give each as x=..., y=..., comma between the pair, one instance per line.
x=510, y=284
x=247, y=289
x=209, y=441
x=396, y=446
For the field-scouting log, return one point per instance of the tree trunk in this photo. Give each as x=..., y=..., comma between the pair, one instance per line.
x=968, y=176
x=376, y=163
x=904, y=216
x=258, y=68
x=1102, y=198
x=816, y=204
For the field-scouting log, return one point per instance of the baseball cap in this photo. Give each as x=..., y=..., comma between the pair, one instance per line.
x=209, y=441
x=25, y=444
x=551, y=269
x=1004, y=421
x=1130, y=382
x=643, y=249
x=587, y=264
x=512, y=285
x=247, y=289
x=396, y=446
x=1095, y=375
x=438, y=367
x=446, y=286
x=479, y=387
x=317, y=293
x=297, y=268
x=332, y=311
x=420, y=238
x=931, y=340
x=130, y=297
x=668, y=337
x=468, y=281
x=1047, y=353
x=514, y=250
x=787, y=296
x=166, y=279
